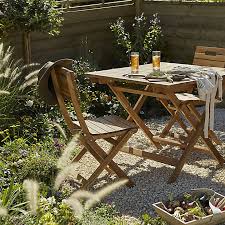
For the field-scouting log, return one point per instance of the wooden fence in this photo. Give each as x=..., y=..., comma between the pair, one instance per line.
x=185, y=25
x=83, y=29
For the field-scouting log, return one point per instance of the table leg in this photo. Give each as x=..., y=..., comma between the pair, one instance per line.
x=139, y=103
x=193, y=139
x=124, y=102
x=196, y=124
x=175, y=116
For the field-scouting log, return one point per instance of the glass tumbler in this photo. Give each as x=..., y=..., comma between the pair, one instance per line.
x=156, y=60
x=134, y=62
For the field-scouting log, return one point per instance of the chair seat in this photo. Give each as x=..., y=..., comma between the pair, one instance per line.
x=186, y=97
x=108, y=125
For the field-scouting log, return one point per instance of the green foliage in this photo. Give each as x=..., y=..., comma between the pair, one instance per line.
x=53, y=212
x=33, y=15
x=40, y=166
x=101, y=215
x=37, y=160
x=148, y=220
x=123, y=38
x=11, y=198
x=21, y=112
x=29, y=161
x=4, y=27
x=144, y=38
x=96, y=99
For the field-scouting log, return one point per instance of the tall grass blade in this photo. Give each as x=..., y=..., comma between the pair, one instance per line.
x=31, y=187
x=70, y=170
x=65, y=159
x=99, y=195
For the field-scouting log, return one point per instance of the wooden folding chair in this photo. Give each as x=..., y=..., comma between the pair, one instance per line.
x=204, y=56
x=184, y=104
x=113, y=129
x=209, y=56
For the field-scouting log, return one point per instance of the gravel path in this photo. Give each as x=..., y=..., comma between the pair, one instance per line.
x=151, y=177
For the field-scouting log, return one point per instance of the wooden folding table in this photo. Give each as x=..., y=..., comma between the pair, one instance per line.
x=169, y=94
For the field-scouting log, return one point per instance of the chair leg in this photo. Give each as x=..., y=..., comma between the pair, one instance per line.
x=198, y=116
x=100, y=155
x=79, y=155
x=108, y=161
x=175, y=115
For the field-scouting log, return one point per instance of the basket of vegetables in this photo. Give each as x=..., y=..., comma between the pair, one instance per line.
x=198, y=207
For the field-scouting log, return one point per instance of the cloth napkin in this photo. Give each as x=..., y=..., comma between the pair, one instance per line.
x=209, y=85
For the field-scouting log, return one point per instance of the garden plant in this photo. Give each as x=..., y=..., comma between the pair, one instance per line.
x=35, y=187
x=28, y=16
x=144, y=37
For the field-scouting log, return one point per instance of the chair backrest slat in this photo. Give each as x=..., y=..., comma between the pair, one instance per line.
x=65, y=88
x=209, y=56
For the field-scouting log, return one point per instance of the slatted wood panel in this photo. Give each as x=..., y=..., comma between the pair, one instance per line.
x=209, y=56
x=107, y=124
x=68, y=4
x=91, y=24
x=187, y=25
x=185, y=97
x=78, y=4
x=120, y=74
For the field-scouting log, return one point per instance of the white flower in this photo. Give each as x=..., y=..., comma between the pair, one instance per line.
x=51, y=200
x=55, y=211
x=29, y=103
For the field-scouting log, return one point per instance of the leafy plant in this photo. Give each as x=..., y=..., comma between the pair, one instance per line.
x=144, y=38
x=29, y=161
x=96, y=99
x=21, y=112
x=148, y=220
x=40, y=166
x=32, y=15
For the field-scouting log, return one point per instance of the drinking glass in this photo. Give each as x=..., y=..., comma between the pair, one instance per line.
x=156, y=60
x=134, y=62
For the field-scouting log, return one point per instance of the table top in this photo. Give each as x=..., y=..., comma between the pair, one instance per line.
x=120, y=74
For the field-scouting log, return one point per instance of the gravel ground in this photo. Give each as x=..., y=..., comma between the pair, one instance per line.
x=151, y=177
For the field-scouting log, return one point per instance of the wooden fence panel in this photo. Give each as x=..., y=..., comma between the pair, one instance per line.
x=186, y=25
x=91, y=26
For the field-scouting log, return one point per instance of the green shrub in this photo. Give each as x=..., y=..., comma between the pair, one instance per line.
x=33, y=15
x=96, y=99
x=27, y=16
x=29, y=161
x=143, y=38
x=101, y=215
x=148, y=220
x=40, y=166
